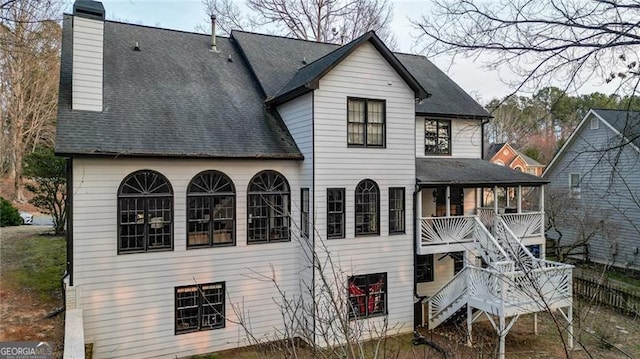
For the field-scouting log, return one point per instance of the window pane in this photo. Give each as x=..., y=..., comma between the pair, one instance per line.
x=396, y=210
x=375, y=134
x=436, y=137
x=335, y=213
x=159, y=227
x=187, y=309
x=375, y=111
x=367, y=197
x=212, y=306
x=132, y=224
x=199, y=214
x=356, y=111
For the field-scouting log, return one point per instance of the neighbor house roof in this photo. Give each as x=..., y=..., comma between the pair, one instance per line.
x=469, y=172
x=174, y=97
x=625, y=123
x=276, y=60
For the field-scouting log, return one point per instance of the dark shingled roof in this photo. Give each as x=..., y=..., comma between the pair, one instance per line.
x=625, y=122
x=469, y=172
x=493, y=149
x=276, y=60
x=308, y=76
x=172, y=98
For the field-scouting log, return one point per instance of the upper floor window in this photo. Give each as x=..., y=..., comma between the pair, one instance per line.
x=367, y=208
x=396, y=210
x=145, y=206
x=335, y=213
x=595, y=123
x=366, y=122
x=574, y=184
x=210, y=210
x=367, y=295
x=437, y=137
x=268, y=208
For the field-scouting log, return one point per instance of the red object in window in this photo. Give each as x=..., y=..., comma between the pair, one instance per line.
x=374, y=295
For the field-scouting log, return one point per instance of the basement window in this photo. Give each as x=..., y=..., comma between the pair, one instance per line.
x=200, y=307
x=367, y=295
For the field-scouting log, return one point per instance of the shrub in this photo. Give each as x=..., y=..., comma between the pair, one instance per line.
x=9, y=215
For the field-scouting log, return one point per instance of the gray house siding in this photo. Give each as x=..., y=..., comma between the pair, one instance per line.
x=609, y=192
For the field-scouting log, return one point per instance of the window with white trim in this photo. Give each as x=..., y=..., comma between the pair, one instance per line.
x=199, y=307
x=574, y=185
x=367, y=295
x=210, y=210
x=145, y=208
x=366, y=121
x=595, y=123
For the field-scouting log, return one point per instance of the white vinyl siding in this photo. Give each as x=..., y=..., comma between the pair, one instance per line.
x=128, y=300
x=466, y=138
x=87, y=64
x=365, y=74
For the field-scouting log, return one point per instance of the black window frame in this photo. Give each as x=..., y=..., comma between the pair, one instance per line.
x=304, y=212
x=145, y=194
x=358, y=197
x=425, y=268
x=393, y=210
x=211, y=192
x=200, y=304
x=269, y=186
x=458, y=261
x=341, y=215
x=353, y=302
x=437, y=137
x=366, y=123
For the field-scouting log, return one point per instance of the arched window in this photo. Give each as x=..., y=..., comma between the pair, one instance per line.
x=211, y=210
x=268, y=198
x=145, y=205
x=367, y=208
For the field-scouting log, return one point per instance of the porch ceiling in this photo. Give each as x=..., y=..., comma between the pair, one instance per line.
x=469, y=172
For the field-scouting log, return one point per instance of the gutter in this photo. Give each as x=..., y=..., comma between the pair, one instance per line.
x=484, y=122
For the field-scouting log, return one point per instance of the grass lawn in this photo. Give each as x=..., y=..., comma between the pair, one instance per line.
x=32, y=264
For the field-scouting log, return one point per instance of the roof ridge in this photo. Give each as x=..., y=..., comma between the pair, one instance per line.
x=287, y=38
x=164, y=28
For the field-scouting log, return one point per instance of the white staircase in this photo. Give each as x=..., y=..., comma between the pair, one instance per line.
x=513, y=283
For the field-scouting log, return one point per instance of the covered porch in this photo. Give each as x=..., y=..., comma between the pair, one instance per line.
x=455, y=196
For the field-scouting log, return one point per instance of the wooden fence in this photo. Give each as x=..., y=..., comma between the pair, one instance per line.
x=621, y=299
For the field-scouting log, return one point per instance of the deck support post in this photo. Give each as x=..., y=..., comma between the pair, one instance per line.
x=502, y=333
x=519, y=199
x=570, y=320
x=507, y=195
x=469, y=324
x=535, y=323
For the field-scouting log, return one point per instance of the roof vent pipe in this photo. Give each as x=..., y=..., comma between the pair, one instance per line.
x=213, y=34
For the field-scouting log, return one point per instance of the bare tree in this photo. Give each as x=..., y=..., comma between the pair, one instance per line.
x=29, y=71
x=566, y=41
x=335, y=21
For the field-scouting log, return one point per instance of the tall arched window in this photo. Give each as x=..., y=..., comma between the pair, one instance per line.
x=211, y=210
x=268, y=198
x=367, y=208
x=145, y=205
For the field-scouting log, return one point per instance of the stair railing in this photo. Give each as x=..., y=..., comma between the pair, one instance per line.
x=490, y=249
x=454, y=290
x=506, y=239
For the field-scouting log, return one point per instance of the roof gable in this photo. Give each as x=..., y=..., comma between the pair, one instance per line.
x=622, y=123
x=275, y=61
x=308, y=77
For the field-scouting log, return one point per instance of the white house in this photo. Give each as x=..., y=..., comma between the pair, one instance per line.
x=595, y=178
x=205, y=169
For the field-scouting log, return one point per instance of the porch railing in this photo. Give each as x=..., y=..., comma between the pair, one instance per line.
x=447, y=230
x=486, y=215
x=526, y=224
x=489, y=248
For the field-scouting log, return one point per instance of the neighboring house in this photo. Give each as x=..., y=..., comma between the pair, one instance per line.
x=504, y=154
x=202, y=168
x=595, y=175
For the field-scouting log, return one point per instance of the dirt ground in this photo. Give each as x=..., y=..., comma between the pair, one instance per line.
x=23, y=315
x=7, y=192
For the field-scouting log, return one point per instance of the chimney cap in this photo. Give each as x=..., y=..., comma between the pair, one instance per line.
x=89, y=9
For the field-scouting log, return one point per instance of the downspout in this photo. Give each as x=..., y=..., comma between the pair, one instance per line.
x=416, y=235
x=484, y=122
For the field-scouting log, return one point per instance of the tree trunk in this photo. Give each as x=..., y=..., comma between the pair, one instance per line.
x=17, y=183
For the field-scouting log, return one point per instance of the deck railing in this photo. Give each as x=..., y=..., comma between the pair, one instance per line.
x=526, y=224
x=447, y=230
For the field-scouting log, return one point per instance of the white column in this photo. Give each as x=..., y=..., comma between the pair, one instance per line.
x=495, y=199
x=418, y=216
x=479, y=193
x=469, y=324
x=519, y=199
x=507, y=195
x=535, y=323
x=502, y=333
x=541, y=199
x=448, y=201
x=570, y=319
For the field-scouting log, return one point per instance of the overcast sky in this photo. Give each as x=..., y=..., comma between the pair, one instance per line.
x=483, y=84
